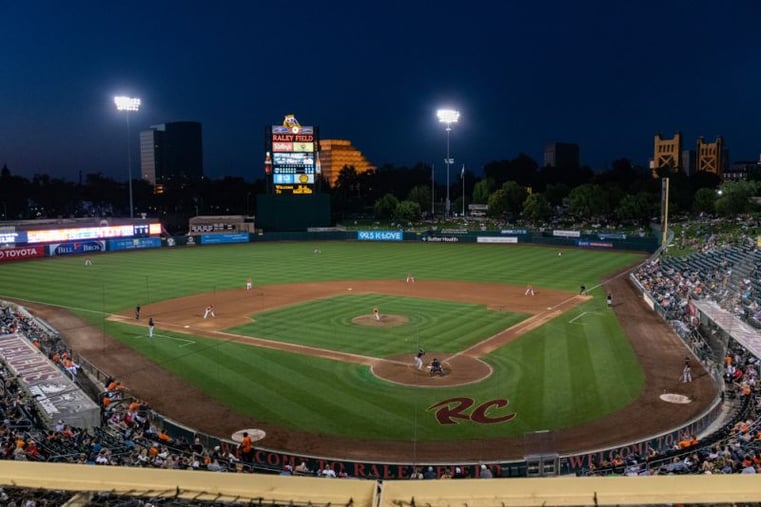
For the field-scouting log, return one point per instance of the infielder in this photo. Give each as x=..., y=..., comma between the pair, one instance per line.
x=529, y=291
x=410, y=278
x=150, y=327
x=249, y=283
x=209, y=312
x=376, y=314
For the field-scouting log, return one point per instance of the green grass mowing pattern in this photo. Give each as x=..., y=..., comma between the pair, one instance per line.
x=557, y=376
x=322, y=395
x=567, y=373
x=443, y=326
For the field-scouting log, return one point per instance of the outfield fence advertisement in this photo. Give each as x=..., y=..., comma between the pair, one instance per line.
x=77, y=247
x=21, y=253
x=218, y=239
x=380, y=235
x=497, y=239
x=133, y=244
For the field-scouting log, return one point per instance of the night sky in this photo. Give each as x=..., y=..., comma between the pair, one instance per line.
x=604, y=74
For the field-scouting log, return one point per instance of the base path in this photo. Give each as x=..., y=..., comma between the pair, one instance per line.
x=659, y=351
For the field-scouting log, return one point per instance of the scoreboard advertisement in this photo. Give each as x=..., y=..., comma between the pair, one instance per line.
x=292, y=157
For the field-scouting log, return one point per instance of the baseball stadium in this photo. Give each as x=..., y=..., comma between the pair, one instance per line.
x=561, y=355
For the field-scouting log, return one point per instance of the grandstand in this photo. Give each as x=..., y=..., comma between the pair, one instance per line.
x=711, y=298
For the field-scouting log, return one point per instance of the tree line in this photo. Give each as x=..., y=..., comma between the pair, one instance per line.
x=511, y=188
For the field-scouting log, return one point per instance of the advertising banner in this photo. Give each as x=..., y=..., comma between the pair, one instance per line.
x=12, y=237
x=217, y=239
x=567, y=234
x=380, y=235
x=21, y=253
x=432, y=238
x=133, y=244
x=497, y=239
x=77, y=247
x=611, y=235
x=594, y=244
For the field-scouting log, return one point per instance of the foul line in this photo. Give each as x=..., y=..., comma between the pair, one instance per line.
x=577, y=317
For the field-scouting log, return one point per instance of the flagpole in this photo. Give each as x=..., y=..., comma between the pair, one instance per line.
x=462, y=177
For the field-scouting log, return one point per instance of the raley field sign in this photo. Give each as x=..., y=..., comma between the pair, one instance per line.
x=21, y=253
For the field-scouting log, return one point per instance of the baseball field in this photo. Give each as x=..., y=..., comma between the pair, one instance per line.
x=304, y=357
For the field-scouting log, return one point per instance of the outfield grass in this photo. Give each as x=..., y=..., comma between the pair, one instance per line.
x=557, y=376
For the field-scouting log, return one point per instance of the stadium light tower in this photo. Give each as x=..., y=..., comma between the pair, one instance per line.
x=128, y=105
x=448, y=117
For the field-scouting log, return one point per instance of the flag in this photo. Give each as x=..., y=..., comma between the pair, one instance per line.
x=462, y=173
x=433, y=176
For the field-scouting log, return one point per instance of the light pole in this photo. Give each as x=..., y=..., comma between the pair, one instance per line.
x=448, y=117
x=128, y=104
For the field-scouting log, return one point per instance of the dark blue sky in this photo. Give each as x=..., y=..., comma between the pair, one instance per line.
x=604, y=74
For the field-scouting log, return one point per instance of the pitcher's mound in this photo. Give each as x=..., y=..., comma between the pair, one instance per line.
x=386, y=320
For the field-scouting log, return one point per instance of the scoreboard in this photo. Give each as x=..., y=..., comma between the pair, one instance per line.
x=292, y=157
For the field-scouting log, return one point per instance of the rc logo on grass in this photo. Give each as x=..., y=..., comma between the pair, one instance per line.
x=449, y=410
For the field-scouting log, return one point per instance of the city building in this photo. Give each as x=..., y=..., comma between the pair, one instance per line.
x=561, y=155
x=667, y=153
x=743, y=170
x=712, y=157
x=689, y=163
x=335, y=154
x=171, y=151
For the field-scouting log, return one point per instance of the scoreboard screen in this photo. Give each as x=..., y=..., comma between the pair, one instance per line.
x=294, y=161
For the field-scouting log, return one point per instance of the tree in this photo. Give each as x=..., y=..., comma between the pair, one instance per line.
x=481, y=191
x=586, y=201
x=735, y=197
x=515, y=195
x=704, y=201
x=536, y=207
x=508, y=199
x=408, y=210
x=385, y=207
x=420, y=194
x=498, y=204
x=555, y=193
x=638, y=207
